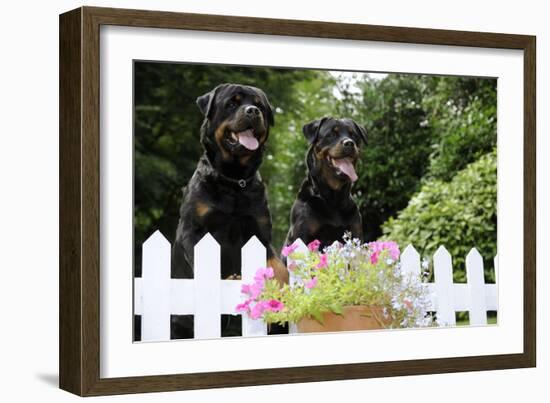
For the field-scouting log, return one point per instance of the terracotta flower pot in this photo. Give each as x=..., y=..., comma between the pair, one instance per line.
x=353, y=318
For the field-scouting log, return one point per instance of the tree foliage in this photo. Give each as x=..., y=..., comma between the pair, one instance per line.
x=422, y=131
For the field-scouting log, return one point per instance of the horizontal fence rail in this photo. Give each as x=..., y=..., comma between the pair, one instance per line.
x=207, y=297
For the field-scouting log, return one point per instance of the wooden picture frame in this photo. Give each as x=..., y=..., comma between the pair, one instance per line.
x=80, y=184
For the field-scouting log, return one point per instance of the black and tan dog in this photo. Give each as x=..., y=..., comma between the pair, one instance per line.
x=226, y=196
x=323, y=208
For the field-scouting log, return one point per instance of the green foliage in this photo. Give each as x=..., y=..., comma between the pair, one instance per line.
x=463, y=115
x=420, y=129
x=459, y=214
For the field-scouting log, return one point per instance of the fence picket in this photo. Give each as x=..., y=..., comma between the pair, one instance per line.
x=292, y=328
x=207, y=288
x=476, y=286
x=155, y=288
x=410, y=262
x=253, y=256
x=443, y=276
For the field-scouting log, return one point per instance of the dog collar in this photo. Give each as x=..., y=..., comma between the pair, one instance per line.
x=242, y=183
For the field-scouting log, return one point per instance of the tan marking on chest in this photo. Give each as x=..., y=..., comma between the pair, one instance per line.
x=201, y=209
x=313, y=226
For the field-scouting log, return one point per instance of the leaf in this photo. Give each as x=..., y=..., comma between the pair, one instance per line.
x=318, y=316
x=337, y=309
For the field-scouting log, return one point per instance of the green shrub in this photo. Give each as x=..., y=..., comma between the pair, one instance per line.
x=460, y=214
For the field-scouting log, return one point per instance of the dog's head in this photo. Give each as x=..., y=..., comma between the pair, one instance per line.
x=236, y=121
x=334, y=149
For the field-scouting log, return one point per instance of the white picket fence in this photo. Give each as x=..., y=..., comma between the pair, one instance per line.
x=157, y=296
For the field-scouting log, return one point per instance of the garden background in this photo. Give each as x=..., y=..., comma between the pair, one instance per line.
x=427, y=175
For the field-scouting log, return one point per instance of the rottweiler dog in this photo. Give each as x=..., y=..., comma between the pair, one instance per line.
x=324, y=208
x=225, y=196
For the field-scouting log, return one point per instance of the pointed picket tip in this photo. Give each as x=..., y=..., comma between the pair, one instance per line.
x=253, y=256
x=441, y=251
x=410, y=261
x=410, y=253
x=207, y=242
x=473, y=255
x=474, y=266
x=157, y=238
x=442, y=254
x=441, y=258
x=252, y=243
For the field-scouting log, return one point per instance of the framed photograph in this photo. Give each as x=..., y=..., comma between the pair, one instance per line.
x=249, y=201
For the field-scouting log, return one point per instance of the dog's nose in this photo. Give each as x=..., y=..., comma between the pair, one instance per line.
x=252, y=110
x=348, y=143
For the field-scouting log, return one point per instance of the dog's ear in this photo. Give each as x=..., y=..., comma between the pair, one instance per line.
x=311, y=130
x=204, y=102
x=269, y=108
x=362, y=132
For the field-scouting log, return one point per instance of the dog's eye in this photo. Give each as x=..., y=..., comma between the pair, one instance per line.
x=231, y=105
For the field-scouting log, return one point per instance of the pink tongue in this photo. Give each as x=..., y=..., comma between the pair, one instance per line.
x=346, y=166
x=248, y=140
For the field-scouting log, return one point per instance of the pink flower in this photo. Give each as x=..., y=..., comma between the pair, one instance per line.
x=322, y=261
x=311, y=283
x=245, y=289
x=256, y=289
x=378, y=246
x=408, y=304
x=263, y=273
x=244, y=307
x=314, y=245
x=253, y=290
x=273, y=305
x=393, y=248
x=257, y=311
x=287, y=250
x=374, y=257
